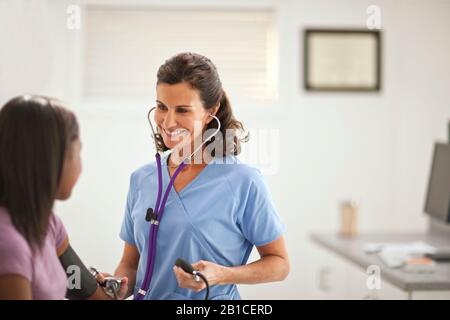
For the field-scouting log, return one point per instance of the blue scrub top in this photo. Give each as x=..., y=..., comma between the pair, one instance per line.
x=219, y=216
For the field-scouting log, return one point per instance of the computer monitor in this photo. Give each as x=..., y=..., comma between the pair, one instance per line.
x=437, y=204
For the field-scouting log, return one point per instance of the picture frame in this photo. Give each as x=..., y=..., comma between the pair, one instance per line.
x=342, y=60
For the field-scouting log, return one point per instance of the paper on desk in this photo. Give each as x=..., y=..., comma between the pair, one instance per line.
x=394, y=255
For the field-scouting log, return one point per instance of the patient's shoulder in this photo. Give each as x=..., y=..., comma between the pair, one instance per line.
x=15, y=253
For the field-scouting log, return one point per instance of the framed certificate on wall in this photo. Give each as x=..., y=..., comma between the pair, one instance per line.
x=342, y=60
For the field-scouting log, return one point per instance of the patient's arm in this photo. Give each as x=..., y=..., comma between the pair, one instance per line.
x=15, y=287
x=90, y=289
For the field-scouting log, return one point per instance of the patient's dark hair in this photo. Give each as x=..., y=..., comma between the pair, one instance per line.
x=201, y=74
x=35, y=135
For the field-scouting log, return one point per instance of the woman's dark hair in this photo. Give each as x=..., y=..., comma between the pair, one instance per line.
x=35, y=135
x=201, y=74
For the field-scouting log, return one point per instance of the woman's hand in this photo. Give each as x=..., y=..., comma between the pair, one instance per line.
x=121, y=295
x=214, y=273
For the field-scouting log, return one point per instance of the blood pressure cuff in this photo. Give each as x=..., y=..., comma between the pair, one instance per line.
x=81, y=283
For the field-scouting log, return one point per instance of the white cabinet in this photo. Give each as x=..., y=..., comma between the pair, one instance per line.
x=330, y=278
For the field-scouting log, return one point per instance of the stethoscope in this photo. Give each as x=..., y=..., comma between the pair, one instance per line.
x=154, y=216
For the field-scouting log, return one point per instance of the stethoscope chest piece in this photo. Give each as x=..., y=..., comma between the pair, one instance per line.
x=151, y=216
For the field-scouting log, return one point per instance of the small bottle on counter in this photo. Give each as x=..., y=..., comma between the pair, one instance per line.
x=349, y=218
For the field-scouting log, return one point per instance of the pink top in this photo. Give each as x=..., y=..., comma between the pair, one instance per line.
x=42, y=268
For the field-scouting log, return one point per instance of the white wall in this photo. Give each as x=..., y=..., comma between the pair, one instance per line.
x=375, y=147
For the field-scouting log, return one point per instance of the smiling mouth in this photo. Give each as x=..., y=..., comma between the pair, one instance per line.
x=176, y=133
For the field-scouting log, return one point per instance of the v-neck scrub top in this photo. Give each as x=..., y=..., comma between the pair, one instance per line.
x=219, y=216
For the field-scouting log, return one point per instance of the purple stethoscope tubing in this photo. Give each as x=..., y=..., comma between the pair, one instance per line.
x=153, y=230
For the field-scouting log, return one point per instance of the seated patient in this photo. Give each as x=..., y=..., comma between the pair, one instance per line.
x=39, y=162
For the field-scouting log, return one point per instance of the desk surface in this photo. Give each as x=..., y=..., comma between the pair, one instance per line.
x=352, y=250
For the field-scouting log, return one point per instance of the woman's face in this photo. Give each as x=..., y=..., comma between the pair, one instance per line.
x=179, y=110
x=71, y=170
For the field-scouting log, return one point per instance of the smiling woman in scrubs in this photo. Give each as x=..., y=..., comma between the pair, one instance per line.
x=215, y=213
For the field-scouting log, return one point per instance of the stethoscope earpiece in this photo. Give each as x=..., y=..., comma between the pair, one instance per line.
x=157, y=137
x=159, y=141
